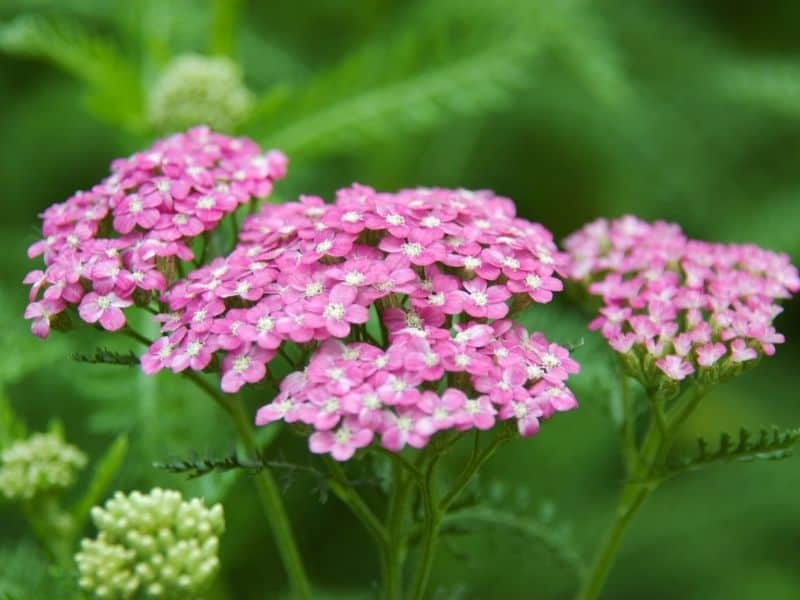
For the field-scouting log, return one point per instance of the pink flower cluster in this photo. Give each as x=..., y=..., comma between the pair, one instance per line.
x=687, y=304
x=106, y=248
x=350, y=393
x=436, y=270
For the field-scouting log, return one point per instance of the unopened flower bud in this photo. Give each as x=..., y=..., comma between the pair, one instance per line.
x=145, y=560
x=40, y=464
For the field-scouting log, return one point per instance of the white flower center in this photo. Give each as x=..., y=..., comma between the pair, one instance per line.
x=395, y=220
x=334, y=310
x=431, y=222
x=193, y=348
x=354, y=278
x=471, y=263
x=315, y=211
x=351, y=216
x=323, y=246
x=511, y=262
x=462, y=360
x=136, y=205
x=412, y=249
x=331, y=405
x=413, y=320
x=342, y=435
x=533, y=281
x=350, y=353
x=104, y=302
x=472, y=407
x=398, y=385
x=163, y=186
x=479, y=298
x=314, y=288
x=436, y=299
x=372, y=401
x=241, y=364
x=206, y=203
x=550, y=360
x=265, y=324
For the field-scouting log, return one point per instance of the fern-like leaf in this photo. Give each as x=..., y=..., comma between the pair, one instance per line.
x=767, y=444
x=554, y=539
x=377, y=93
x=112, y=81
x=104, y=356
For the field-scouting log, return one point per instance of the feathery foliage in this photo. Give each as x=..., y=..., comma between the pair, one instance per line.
x=767, y=444
x=112, y=82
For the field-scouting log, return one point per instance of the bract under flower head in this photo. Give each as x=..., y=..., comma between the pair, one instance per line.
x=106, y=247
x=438, y=270
x=676, y=307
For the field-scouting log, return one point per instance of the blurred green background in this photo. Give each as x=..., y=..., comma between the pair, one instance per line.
x=687, y=110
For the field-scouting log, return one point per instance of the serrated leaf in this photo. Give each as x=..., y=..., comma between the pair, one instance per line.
x=27, y=575
x=554, y=539
x=768, y=444
x=385, y=88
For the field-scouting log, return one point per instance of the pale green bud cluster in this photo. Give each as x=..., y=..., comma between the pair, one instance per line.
x=199, y=90
x=39, y=464
x=152, y=545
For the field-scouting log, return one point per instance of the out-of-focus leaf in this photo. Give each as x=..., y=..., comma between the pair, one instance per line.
x=105, y=471
x=11, y=428
x=112, y=81
x=26, y=575
x=387, y=88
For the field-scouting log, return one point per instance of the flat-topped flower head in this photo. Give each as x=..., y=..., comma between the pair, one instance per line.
x=678, y=308
x=40, y=464
x=154, y=545
x=336, y=278
x=108, y=247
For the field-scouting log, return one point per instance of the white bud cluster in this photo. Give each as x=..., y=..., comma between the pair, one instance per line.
x=152, y=545
x=40, y=464
x=199, y=90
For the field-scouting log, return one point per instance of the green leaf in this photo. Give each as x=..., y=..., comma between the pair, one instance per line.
x=767, y=444
x=11, y=427
x=112, y=80
x=403, y=85
x=26, y=575
x=771, y=85
x=104, y=474
x=554, y=539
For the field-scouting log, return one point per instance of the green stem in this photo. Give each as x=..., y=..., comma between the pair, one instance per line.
x=431, y=533
x=395, y=553
x=272, y=504
x=631, y=500
x=347, y=494
x=266, y=487
x=644, y=480
x=476, y=461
